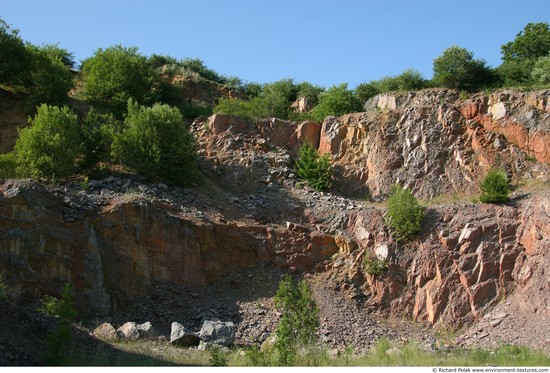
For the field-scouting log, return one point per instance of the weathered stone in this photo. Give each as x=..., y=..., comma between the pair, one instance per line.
x=218, y=332
x=105, y=331
x=128, y=331
x=498, y=110
x=180, y=336
x=146, y=330
x=382, y=252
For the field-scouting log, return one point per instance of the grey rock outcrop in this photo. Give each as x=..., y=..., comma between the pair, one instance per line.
x=180, y=336
x=218, y=332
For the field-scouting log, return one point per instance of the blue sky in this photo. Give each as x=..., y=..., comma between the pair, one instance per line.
x=324, y=42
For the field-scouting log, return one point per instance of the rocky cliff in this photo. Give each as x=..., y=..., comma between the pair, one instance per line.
x=118, y=238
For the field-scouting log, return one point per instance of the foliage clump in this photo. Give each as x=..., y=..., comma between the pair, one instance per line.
x=404, y=215
x=299, y=321
x=337, y=100
x=374, y=266
x=521, y=55
x=49, y=147
x=456, y=68
x=494, y=187
x=64, y=311
x=316, y=170
x=156, y=143
x=15, y=62
x=50, y=77
x=116, y=74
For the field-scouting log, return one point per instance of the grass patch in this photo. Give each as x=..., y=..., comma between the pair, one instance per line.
x=384, y=353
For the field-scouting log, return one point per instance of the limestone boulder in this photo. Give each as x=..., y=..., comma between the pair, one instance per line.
x=105, y=331
x=218, y=332
x=128, y=331
x=180, y=336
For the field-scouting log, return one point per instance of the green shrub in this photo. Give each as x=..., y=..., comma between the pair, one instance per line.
x=540, y=75
x=197, y=66
x=49, y=146
x=64, y=310
x=236, y=107
x=117, y=74
x=259, y=358
x=299, y=322
x=364, y=91
x=8, y=166
x=456, y=68
x=51, y=77
x=96, y=135
x=337, y=100
x=15, y=61
x=316, y=170
x=404, y=215
x=521, y=55
x=374, y=266
x=156, y=142
x=494, y=187
x=310, y=92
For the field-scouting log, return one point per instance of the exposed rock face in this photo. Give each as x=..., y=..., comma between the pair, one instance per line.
x=470, y=257
x=115, y=252
x=433, y=143
x=429, y=141
x=116, y=242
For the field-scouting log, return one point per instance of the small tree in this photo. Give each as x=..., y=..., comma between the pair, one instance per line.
x=156, y=142
x=64, y=310
x=456, y=68
x=520, y=55
x=117, y=74
x=494, y=187
x=51, y=77
x=404, y=214
x=316, y=170
x=540, y=75
x=15, y=61
x=337, y=100
x=299, y=321
x=49, y=146
x=96, y=136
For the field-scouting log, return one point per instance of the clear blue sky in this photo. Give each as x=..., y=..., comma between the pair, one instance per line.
x=325, y=42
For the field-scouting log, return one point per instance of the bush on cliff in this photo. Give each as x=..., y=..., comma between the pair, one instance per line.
x=521, y=55
x=337, y=100
x=49, y=146
x=299, y=322
x=156, y=142
x=116, y=74
x=494, y=187
x=15, y=61
x=50, y=77
x=456, y=68
x=316, y=170
x=404, y=214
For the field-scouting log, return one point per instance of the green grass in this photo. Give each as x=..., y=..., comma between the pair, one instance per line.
x=143, y=353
